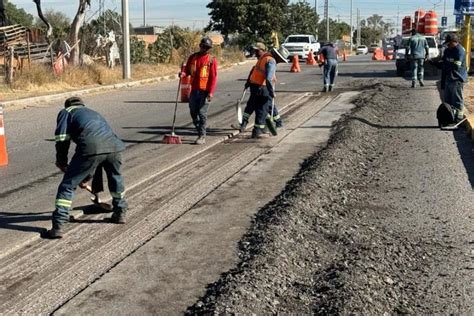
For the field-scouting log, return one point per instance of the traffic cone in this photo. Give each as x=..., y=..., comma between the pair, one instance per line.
x=295, y=66
x=310, y=60
x=3, y=142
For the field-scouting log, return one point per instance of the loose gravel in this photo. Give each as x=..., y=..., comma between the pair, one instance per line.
x=338, y=240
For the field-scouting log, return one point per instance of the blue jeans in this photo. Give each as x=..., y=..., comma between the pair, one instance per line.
x=417, y=69
x=198, y=106
x=330, y=71
x=453, y=95
x=79, y=168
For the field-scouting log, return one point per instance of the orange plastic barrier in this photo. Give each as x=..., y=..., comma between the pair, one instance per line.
x=3, y=142
x=310, y=60
x=295, y=66
x=185, y=86
x=378, y=54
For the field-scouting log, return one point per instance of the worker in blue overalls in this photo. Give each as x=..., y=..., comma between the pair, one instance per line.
x=96, y=144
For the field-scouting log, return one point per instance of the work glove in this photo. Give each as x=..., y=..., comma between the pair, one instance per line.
x=181, y=74
x=247, y=85
x=272, y=94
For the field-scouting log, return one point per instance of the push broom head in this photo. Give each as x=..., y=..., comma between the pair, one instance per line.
x=172, y=139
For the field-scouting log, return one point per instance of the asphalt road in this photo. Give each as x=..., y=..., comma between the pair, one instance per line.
x=140, y=117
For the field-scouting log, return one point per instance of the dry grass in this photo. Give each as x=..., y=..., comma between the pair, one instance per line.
x=40, y=80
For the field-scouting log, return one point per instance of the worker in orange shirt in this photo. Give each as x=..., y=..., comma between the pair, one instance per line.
x=202, y=67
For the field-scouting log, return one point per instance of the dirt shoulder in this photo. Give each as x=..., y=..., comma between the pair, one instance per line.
x=379, y=222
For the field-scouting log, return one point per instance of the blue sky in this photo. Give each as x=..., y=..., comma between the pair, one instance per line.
x=194, y=14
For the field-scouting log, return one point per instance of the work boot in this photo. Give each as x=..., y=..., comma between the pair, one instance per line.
x=279, y=123
x=243, y=126
x=325, y=89
x=258, y=133
x=413, y=84
x=201, y=140
x=53, y=233
x=330, y=88
x=422, y=84
x=117, y=218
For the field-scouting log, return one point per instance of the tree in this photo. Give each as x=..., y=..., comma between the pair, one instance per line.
x=74, y=31
x=227, y=16
x=256, y=17
x=375, y=21
x=58, y=20
x=15, y=15
x=336, y=29
x=300, y=19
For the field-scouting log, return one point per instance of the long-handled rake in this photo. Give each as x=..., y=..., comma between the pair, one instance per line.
x=173, y=138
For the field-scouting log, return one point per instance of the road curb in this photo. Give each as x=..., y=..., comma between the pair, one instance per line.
x=25, y=102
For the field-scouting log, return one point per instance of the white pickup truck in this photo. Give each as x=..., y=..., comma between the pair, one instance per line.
x=301, y=44
x=403, y=63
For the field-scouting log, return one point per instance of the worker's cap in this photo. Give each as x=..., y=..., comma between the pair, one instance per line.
x=73, y=101
x=259, y=45
x=450, y=38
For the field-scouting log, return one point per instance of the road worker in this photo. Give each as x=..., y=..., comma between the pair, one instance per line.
x=261, y=90
x=417, y=52
x=329, y=53
x=250, y=108
x=96, y=144
x=454, y=67
x=202, y=67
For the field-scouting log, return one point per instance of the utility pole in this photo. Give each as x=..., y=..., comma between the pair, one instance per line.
x=316, y=11
x=444, y=9
x=326, y=16
x=352, y=28
x=144, y=12
x=358, y=27
x=126, y=40
x=398, y=19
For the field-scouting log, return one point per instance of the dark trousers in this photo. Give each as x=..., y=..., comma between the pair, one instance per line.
x=259, y=102
x=453, y=95
x=199, y=106
x=81, y=167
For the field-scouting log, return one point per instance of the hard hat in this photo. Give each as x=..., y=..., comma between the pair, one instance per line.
x=206, y=42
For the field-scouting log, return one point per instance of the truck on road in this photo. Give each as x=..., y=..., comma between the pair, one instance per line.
x=301, y=45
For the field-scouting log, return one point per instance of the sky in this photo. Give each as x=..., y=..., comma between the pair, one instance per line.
x=194, y=14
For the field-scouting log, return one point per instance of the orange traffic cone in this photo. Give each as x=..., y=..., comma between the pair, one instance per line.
x=3, y=142
x=295, y=66
x=310, y=60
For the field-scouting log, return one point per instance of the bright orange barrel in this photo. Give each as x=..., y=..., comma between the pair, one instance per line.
x=406, y=25
x=419, y=20
x=431, y=23
x=185, y=86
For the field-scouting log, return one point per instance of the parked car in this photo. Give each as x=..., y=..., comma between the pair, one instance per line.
x=362, y=50
x=403, y=63
x=373, y=47
x=301, y=45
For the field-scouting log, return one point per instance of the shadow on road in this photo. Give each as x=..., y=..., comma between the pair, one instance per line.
x=14, y=220
x=465, y=148
x=180, y=131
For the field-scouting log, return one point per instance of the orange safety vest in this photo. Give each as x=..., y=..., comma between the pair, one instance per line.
x=258, y=76
x=203, y=72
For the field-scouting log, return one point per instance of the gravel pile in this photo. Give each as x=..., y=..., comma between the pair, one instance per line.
x=323, y=245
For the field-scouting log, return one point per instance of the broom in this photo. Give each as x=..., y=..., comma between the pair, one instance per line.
x=173, y=138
